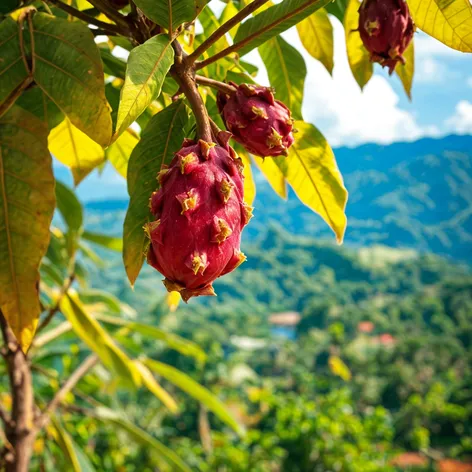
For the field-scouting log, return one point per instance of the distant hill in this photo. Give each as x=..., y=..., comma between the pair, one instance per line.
x=416, y=195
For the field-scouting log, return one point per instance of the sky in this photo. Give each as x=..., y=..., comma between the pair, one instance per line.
x=347, y=116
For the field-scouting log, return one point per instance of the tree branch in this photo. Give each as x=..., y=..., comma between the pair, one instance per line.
x=4, y=416
x=216, y=84
x=82, y=370
x=223, y=29
x=106, y=27
x=113, y=14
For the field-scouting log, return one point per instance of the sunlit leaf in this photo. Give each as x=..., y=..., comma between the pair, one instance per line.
x=273, y=174
x=120, y=151
x=316, y=35
x=160, y=139
x=75, y=150
x=406, y=71
x=339, y=368
x=147, y=67
x=65, y=442
x=108, y=242
x=173, y=300
x=449, y=21
x=26, y=195
x=195, y=390
x=229, y=11
x=249, y=184
x=357, y=54
x=287, y=71
x=312, y=172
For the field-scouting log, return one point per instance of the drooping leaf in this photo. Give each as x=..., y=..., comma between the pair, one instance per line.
x=27, y=205
x=195, y=390
x=147, y=67
x=99, y=341
x=120, y=151
x=160, y=139
x=357, y=54
x=13, y=68
x=249, y=184
x=316, y=35
x=113, y=65
x=64, y=441
x=108, y=242
x=274, y=175
x=273, y=21
x=170, y=14
x=449, y=21
x=68, y=68
x=287, y=71
x=406, y=71
x=140, y=436
x=75, y=150
x=312, y=172
x=99, y=297
x=69, y=207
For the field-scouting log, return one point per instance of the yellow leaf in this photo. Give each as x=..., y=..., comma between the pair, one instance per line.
x=406, y=71
x=357, y=54
x=316, y=35
x=249, y=185
x=449, y=21
x=120, y=151
x=339, y=368
x=273, y=174
x=27, y=202
x=75, y=150
x=173, y=300
x=311, y=170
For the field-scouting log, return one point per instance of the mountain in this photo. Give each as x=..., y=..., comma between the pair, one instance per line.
x=407, y=195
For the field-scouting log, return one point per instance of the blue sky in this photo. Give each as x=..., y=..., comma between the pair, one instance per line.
x=442, y=102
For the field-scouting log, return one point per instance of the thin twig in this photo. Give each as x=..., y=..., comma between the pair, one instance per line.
x=4, y=416
x=113, y=14
x=50, y=335
x=224, y=28
x=82, y=370
x=87, y=18
x=216, y=84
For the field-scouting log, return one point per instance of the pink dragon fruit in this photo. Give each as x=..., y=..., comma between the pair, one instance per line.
x=200, y=214
x=260, y=123
x=386, y=29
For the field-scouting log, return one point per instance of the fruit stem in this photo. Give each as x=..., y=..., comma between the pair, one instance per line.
x=216, y=84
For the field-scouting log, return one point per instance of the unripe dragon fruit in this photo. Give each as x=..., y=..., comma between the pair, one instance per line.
x=386, y=29
x=260, y=123
x=200, y=213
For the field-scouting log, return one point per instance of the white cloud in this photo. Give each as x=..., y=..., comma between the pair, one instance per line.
x=429, y=70
x=461, y=121
x=427, y=46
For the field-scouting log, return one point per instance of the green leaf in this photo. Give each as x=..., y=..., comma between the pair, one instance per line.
x=120, y=151
x=316, y=35
x=171, y=13
x=26, y=195
x=84, y=461
x=108, y=242
x=312, y=172
x=13, y=69
x=9, y=5
x=449, y=21
x=140, y=436
x=99, y=341
x=337, y=8
x=113, y=65
x=406, y=71
x=357, y=54
x=273, y=174
x=273, y=21
x=229, y=11
x=69, y=207
x=68, y=69
x=195, y=390
x=287, y=71
x=75, y=150
x=64, y=441
x=147, y=68
x=160, y=139
x=99, y=297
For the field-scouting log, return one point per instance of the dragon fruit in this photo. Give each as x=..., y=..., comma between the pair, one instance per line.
x=200, y=214
x=386, y=29
x=260, y=123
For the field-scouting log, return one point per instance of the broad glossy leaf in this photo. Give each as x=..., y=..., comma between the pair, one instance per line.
x=316, y=35
x=153, y=386
x=337, y=8
x=171, y=13
x=99, y=341
x=287, y=71
x=108, y=242
x=406, y=71
x=273, y=21
x=120, y=151
x=26, y=195
x=68, y=69
x=69, y=207
x=147, y=67
x=64, y=441
x=357, y=54
x=140, y=436
x=312, y=172
x=113, y=65
x=13, y=69
x=195, y=390
x=160, y=139
x=449, y=21
x=273, y=174
x=75, y=150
